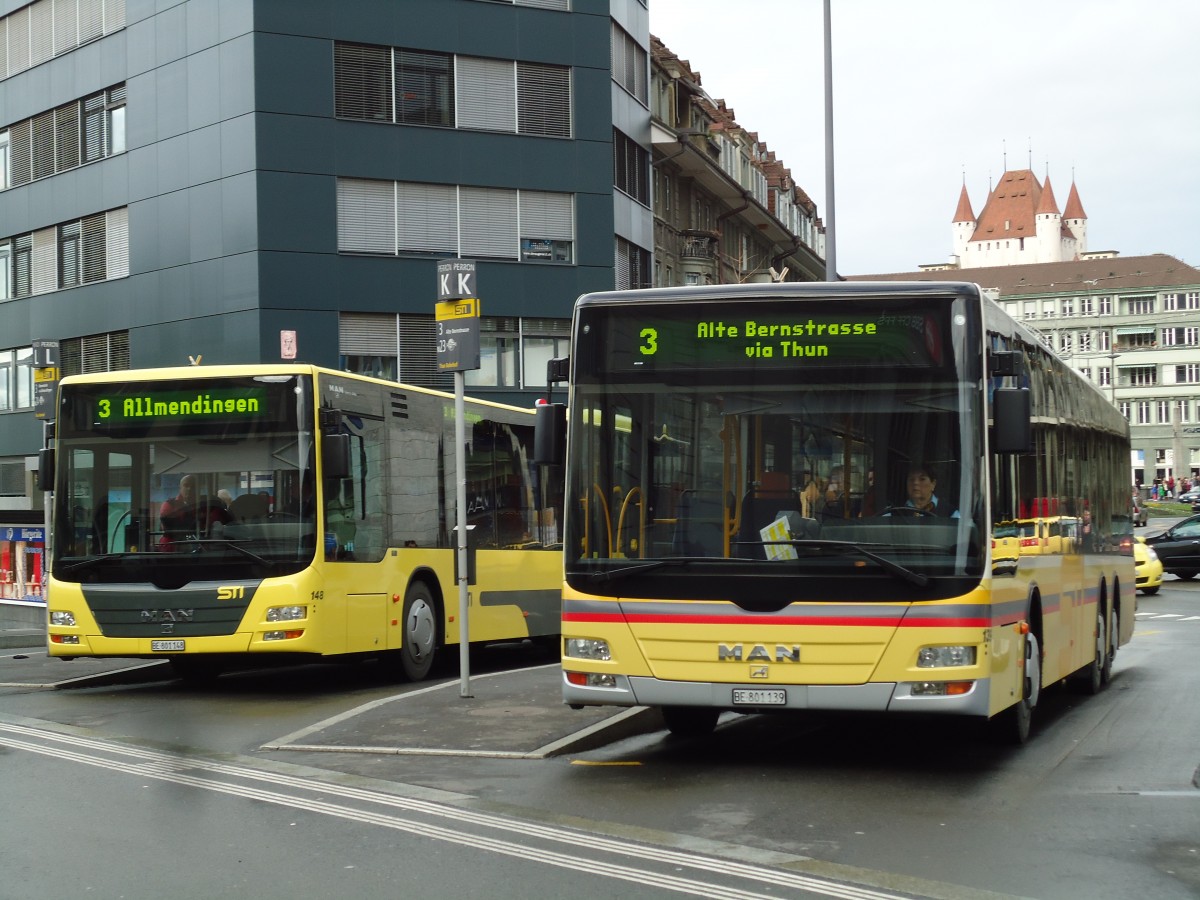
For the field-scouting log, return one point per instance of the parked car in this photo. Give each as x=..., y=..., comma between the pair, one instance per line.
x=1147, y=566
x=1189, y=496
x=1179, y=548
x=1140, y=513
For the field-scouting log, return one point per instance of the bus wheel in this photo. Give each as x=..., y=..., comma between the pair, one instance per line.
x=690, y=721
x=419, y=641
x=1015, y=722
x=1114, y=641
x=1091, y=679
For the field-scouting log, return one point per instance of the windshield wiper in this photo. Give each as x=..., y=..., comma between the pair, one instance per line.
x=88, y=561
x=638, y=568
x=846, y=548
x=225, y=542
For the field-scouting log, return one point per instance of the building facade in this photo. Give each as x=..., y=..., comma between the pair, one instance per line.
x=726, y=210
x=192, y=180
x=1132, y=326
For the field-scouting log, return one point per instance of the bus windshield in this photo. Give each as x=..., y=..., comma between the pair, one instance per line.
x=174, y=482
x=706, y=443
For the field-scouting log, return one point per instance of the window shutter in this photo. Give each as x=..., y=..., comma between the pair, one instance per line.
x=68, y=254
x=91, y=20
x=418, y=353
x=366, y=213
x=66, y=126
x=486, y=94
x=94, y=252
x=367, y=334
x=43, y=145
x=4, y=47
x=488, y=218
x=20, y=141
x=18, y=41
x=114, y=15
x=544, y=99
x=45, y=259
x=547, y=216
x=66, y=28
x=94, y=352
x=362, y=78
x=427, y=218
x=93, y=127
x=41, y=32
x=118, y=351
x=116, y=225
x=546, y=4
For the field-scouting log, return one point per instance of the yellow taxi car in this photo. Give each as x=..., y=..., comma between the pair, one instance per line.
x=1147, y=566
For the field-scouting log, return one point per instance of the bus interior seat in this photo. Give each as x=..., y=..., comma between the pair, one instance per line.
x=700, y=524
x=765, y=502
x=249, y=508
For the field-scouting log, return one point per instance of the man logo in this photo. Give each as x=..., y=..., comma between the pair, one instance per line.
x=231, y=592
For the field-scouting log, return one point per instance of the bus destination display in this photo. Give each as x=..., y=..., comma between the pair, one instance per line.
x=213, y=405
x=767, y=337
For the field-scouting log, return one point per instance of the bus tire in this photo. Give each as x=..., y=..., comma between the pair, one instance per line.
x=1114, y=641
x=690, y=721
x=420, y=631
x=1091, y=679
x=1016, y=722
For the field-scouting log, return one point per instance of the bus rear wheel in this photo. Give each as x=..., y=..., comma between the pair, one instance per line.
x=420, y=631
x=1091, y=680
x=690, y=721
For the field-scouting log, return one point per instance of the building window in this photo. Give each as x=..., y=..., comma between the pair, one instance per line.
x=44, y=29
x=1086, y=306
x=631, y=168
x=1068, y=307
x=87, y=250
x=632, y=266
x=95, y=353
x=1137, y=376
x=1105, y=376
x=1104, y=306
x=1085, y=341
x=64, y=138
x=1103, y=341
x=16, y=378
x=1187, y=374
x=389, y=218
x=1183, y=411
x=1138, y=306
x=416, y=87
x=1126, y=409
x=1163, y=409
x=1030, y=309
x=1143, y=412
x=630, y=64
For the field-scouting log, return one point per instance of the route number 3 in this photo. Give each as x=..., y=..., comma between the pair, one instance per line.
x=650, y=338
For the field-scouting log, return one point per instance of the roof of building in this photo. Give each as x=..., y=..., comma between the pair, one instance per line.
x=1009, y=211
x=964, y=213
x=1092, y=276
x=1074, y=208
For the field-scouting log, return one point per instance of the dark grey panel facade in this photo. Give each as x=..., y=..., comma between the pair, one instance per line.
x=229, y=175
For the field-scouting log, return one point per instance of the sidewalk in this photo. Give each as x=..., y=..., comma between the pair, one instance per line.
x=22, y=624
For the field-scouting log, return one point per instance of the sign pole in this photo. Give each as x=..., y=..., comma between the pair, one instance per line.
x=463, y=568
x=457, y=316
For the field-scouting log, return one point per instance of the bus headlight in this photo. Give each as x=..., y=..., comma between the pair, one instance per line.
x=586, y=648
x=61, y=617
x=286, y=613
x=939, y=657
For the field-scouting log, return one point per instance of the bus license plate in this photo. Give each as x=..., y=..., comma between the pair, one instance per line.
x=759, y=697
x=166, y=645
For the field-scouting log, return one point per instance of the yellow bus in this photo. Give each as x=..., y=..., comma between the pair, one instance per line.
x=218, y=515
x=804, y=496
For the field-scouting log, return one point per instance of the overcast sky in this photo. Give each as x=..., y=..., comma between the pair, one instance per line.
x=1105, y=90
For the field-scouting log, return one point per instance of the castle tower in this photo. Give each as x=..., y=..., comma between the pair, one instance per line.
x=964, y=226
x=1075, y=219
x=1049, y=226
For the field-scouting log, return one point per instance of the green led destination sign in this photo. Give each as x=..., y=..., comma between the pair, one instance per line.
x=712, y=336
x=147, y=407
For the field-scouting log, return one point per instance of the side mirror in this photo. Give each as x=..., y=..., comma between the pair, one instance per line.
x=1012, y=429
x=550, y=434
x=335, y=455
x=45, y=472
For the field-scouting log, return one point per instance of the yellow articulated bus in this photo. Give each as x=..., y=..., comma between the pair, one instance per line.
x=219, y=515
x=810, y=496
